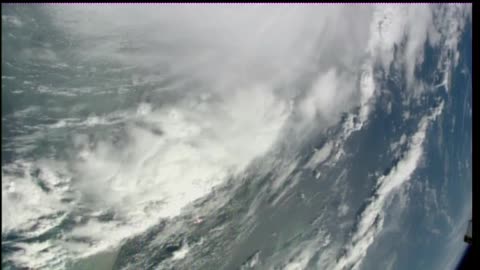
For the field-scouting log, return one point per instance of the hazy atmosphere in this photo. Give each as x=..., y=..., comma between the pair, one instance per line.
x=236, y=136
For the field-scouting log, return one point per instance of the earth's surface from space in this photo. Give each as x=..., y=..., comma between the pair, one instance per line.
x=235, y=136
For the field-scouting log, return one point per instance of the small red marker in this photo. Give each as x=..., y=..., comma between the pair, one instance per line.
x=198, y=220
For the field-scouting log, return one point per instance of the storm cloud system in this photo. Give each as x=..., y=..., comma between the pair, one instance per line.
x=235, y=136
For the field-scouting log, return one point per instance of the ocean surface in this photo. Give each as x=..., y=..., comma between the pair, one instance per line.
x=223, y=136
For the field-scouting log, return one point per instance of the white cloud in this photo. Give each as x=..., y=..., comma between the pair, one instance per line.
x=323, y=95
x=320, y=155
x=251, y=262
x=417, y=34
x=249, y=65
x=181, y=253
x=300, y=256
x=218, y=42
x=449, y=30
x=392, y=24
x=371, y=219
x=395, y=147
x=40, y=255
x=191, y=156
x=343, y=210
x=387, y=29
x=25, y=203
x=13, y=20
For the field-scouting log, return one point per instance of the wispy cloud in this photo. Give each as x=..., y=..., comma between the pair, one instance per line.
x=371, y=219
